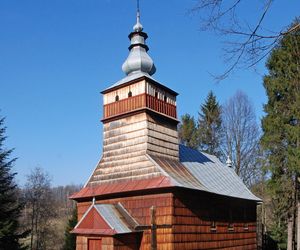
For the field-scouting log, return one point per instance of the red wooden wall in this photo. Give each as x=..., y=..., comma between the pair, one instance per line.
x=208, y=221
x=94, y=244
x=188, y=217
x=137, y=102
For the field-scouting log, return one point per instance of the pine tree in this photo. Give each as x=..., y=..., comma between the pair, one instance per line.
x=188, y=133
x=209, y=125
x=70, y=239
x=281, y=128
x=10, y=207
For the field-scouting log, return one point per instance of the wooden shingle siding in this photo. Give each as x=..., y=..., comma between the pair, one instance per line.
x=126, y=143
x=192, y=222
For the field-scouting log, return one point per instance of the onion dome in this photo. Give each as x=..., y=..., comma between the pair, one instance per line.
x=138, y=60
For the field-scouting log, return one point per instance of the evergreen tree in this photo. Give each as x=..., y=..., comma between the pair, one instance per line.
x=188, y=133
x=10, y=207
x=281, y=128
x=209, y=125
x=70, y=239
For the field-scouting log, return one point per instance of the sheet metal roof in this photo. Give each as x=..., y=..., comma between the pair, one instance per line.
x=113, y=218
x=102, y=219
x=136, y=76
x=215, y=176
x=195, y=170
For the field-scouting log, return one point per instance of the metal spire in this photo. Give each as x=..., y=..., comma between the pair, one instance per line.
x=138, y=9
x=138, y=26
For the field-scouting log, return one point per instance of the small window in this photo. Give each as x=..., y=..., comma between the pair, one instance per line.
x=246, y=226
x=117, y=98
x=213, y=226
x=230, y=224
x=230, y=227
x=129, y=94
x=156, y=94
x=165, y=98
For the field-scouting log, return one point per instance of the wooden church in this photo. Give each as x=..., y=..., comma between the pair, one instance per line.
x=150, y=192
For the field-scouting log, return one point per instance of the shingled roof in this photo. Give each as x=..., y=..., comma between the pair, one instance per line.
x=194, y=170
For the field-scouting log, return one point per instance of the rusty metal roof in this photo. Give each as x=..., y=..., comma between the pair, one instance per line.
x=195, y=170
x=122, y=186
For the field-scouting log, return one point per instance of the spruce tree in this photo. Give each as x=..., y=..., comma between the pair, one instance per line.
x=188, y=133
x=70, y=239
x=209, y=125
x=10, y=208
x=281, y=130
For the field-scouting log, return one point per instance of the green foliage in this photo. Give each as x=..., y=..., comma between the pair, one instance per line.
x=188, y=132
x=70, y=239
x=10, y=207
x=281, y=128
x=209, y=125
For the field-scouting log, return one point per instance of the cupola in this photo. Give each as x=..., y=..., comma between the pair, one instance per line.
x=138, y=60
x=138, y=91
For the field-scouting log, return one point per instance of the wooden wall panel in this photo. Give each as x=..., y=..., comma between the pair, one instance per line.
x=193, y=216
x=81, y=243
x=189, y=213
x=135, y=88
x=139, y=208
x=151, y=89
x=121, y=107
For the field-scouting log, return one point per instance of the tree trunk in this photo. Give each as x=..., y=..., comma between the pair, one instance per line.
x=290, y=234
x=32, y=227
x=298, y=225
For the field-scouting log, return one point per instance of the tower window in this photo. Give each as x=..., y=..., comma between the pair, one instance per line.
x=117, y=98
x=156, y=94
x=129, y=94
x=165, y=98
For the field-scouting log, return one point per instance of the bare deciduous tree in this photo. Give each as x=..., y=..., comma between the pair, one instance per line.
x=40, y=207
x=241, y=136
x=247, y=42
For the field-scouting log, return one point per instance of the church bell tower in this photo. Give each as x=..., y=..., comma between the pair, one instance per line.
x=139, y=118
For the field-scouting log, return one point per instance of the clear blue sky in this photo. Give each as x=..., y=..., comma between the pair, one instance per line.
x=57, y=55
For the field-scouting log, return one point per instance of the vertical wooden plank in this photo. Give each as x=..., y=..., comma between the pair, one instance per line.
x=153, y=228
